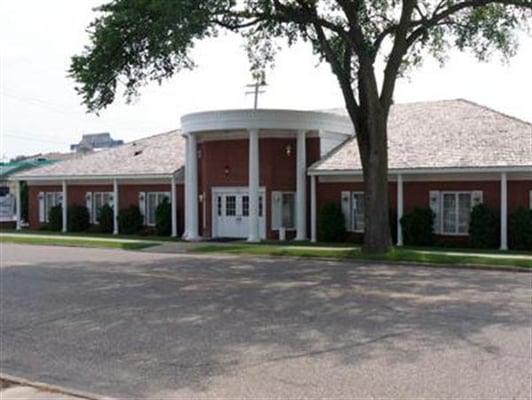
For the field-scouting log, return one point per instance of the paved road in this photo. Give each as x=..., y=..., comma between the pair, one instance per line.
x=180, y=326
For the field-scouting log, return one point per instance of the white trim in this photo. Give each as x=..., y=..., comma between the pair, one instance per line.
x=301, y=186
x=416, y=171
x=254, y=177
x=18, y=207
x=115, y=206
x=313, y=210
x=173, y=200
x=64, y=206
x=504, y=211
x=91, y=177
x=265, y=119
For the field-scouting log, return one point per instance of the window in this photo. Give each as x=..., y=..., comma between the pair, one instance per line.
x=456, y=212
x=51, y=199
x=245, y=206
x=219, y=205
x=288, y=206
x=230, y=206
x=99, y=199
x=153, y=199
x=357, y=216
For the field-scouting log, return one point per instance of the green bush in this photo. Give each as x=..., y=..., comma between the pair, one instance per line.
x=78, y=218
x=484, y=228
x=105, y=220
x=331, y=224
x=417, y=227
x=520, y=229
x=163, y=218
x=55, y=218
x=392, y=215
x=130, y=220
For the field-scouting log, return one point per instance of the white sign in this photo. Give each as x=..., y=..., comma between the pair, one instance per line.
x=7, y=208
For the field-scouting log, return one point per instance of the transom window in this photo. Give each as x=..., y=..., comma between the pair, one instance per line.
x=456, y=212
x=153, y=199
x=357, y=212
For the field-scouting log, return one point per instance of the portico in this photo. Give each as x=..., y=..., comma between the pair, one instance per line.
x=253, y=193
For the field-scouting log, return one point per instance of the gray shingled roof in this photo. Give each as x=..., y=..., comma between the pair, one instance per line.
x=162, y=154
x=444, y=134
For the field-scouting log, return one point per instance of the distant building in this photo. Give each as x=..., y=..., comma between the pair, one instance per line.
x=95, y=141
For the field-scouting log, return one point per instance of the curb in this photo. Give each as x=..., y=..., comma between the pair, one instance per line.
x=53, y=388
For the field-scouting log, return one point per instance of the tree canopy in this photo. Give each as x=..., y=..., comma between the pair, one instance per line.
x=133, y=42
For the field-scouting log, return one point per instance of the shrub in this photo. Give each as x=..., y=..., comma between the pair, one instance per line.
x=520, y=229
x=163, y=218
x=331, y=224
x=78, y=218
x=105, y=220
x=55, y=218
x=417, y=227
x=130, y=220
x=484, y=228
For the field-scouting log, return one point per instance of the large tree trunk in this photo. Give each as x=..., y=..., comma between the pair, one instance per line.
x=371, y=130
x=377, y=237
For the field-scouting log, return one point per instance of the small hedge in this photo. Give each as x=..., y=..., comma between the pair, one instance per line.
x=78, y=218
x=55, y=218
x=105, y=220
x=163, y=218
x=484, y=230
x=417, y=227
x=331, y=224
x=130, y=220
x=520, y=229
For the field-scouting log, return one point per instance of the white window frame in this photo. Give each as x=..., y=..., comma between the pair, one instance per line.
x=457, y=194
x=94, y=209
x=352, y=210
x=159, y=196
x=57, y=200
x=293, y=194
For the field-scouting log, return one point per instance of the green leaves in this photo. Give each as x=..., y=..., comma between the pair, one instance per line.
x=135, y=41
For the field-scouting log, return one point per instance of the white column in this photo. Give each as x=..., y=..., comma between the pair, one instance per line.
x=174, y=207
x=18, y=206
x=64, y=206
x=192, y=189
x=115, y=206
x=253, y=234
x=504, y=211
x=187, y=184
x=301, y=186
x=399, y=209
x=313, y=210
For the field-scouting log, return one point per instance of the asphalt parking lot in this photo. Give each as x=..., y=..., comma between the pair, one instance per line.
x=144, y=325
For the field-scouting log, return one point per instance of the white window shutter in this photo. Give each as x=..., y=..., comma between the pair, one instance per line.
x=435, y=206
x=476, y=198
x=530, y=199
x=142, y=204
x=346, y=209
x=277, y=204
x=88, y=204
x=41, y=206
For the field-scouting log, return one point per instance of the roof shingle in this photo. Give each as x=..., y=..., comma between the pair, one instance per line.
x=444, y=134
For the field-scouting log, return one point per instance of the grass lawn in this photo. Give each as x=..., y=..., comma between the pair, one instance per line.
x=77, y=241
x=427, y=255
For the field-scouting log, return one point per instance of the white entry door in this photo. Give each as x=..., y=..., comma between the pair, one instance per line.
x=231, y=213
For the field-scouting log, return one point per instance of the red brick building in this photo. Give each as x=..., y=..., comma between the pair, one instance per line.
x=258, y=174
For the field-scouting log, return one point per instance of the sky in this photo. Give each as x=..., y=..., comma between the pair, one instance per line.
x=40, y=111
